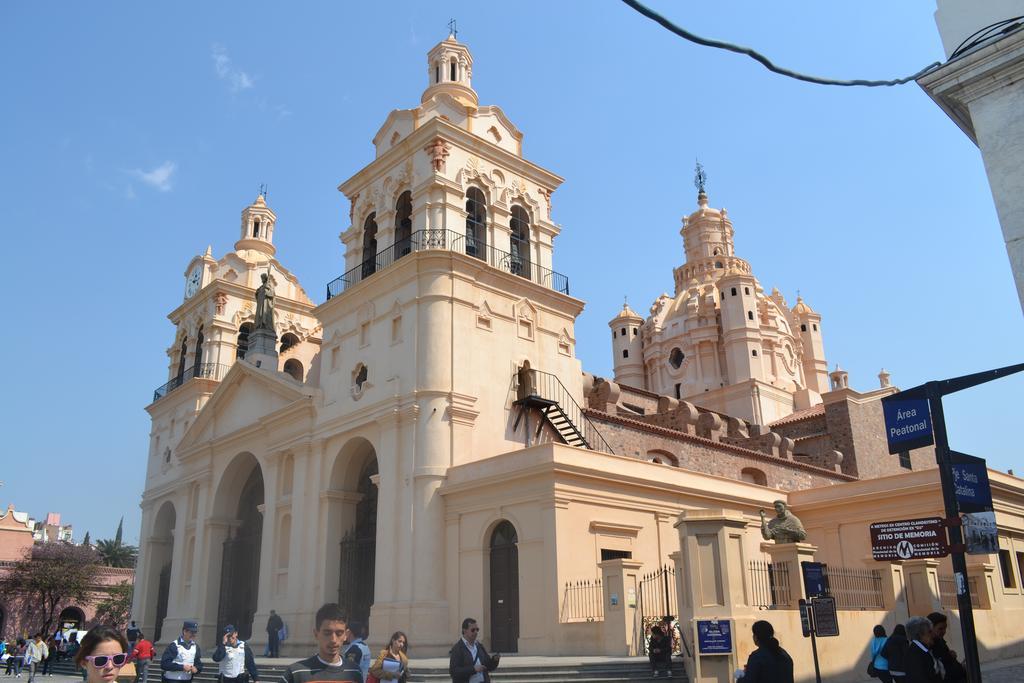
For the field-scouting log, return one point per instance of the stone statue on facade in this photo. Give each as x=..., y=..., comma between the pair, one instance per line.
x=264, y=305
x=785, y=528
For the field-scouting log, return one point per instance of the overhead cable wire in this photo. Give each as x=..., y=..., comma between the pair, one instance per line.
x=757, y=56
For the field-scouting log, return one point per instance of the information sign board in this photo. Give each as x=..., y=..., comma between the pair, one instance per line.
x=805, y=619
x=826, y=623
x=815, y=582
x=908, y=423
x=909, y=539
x=714, y=636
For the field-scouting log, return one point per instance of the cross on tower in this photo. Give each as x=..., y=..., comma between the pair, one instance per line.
x=263, y=191
x=453, y=30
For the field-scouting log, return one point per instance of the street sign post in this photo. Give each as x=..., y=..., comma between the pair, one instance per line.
x=907, y=426
x=909, y=539
x=815, y=581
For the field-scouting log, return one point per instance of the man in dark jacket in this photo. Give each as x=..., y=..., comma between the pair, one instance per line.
x=921, y=665
x=955, y=671
x=274, y=626
x=468, y=661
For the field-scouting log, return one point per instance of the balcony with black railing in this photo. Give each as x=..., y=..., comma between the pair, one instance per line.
x=450, y=240
x=214, y=371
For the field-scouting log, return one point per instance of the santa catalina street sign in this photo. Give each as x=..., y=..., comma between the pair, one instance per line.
x=909, y=539
x=908, y=423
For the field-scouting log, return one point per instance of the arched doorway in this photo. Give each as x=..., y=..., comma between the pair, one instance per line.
x=240, y=567
x=158, y=552
x=504, y=588
x=359, y=550
x=71, y=618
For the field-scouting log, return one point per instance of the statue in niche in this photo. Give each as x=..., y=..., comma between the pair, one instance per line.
x=264, y=305
x=785, y=528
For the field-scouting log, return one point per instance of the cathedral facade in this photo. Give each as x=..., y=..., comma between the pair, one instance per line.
x=423, y=445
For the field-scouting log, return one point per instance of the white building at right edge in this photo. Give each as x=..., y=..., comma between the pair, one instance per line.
x=981, y=87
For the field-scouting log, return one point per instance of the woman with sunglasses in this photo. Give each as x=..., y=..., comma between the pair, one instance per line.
x=102, y=654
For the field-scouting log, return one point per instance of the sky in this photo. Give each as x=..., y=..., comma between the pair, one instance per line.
x=133, y=134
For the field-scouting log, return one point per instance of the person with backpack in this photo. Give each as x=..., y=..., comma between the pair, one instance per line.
x=142, y=655
x=878, y=667
x=769, y=663
x=182, y=659
x=895, y=653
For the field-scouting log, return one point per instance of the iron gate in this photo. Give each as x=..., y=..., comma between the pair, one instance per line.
x=659, y=602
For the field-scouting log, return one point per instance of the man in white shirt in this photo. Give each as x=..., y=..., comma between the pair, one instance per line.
x=468, y=660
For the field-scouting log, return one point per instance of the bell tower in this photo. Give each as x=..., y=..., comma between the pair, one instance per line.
x=257, y=230
x=450, y=68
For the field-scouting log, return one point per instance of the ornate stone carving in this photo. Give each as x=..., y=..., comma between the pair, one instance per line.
x=220, y=300
x=438, y=150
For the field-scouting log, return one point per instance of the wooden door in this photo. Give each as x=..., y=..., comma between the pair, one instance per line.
x=504, y=589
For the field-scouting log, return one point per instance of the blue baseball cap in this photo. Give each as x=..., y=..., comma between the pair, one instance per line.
x=190, y=626
x=230, y=628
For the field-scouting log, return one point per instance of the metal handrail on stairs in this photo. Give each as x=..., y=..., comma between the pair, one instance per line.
x=546, y=392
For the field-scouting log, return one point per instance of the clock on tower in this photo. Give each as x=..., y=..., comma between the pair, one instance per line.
x=193, y=280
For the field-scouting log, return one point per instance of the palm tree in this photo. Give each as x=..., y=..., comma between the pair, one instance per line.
x=114, y=553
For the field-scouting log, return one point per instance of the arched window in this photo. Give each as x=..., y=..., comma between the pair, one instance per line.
x=197, y=362
x=243, y=340
x=289, y=340
x=453, y=70
x=662, y=458
x=519, y=243
x=293, y=367
x=476, y=224
x=370, y=245
x=403, y=225
x=181, y=360
x=437, y=73
x=256, y=228
x=753, y=476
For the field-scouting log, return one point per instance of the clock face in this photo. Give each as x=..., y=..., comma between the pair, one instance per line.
x=193, y=281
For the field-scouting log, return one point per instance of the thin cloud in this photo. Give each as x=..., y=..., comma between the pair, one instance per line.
x=160, y=177
x=236, y=79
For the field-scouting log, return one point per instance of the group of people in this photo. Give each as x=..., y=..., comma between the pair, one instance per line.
x=342, y=655
x=34, y=654
x=915, y=653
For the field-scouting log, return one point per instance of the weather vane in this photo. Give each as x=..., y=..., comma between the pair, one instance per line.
x=453, y=31
x=700, y=178
x=263, y=191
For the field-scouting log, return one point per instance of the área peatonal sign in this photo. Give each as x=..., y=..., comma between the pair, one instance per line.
x=908, y=422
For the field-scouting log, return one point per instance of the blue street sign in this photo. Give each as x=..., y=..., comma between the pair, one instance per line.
x=815, y=583
x=714, y=636
x=908, y=423
x=970, y=482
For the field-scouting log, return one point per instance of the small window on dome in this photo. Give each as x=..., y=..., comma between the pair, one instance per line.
x=675, y=357
x=623, y=331
x=437, y=74
x=746, y=290
x=625, y=353
x=635, y=330
x=718, y=264
x=750, y=315
x=754, y=353
x=453, y=70
x=256, y=228
x=815, y=327
x=803, y=327
x=734, y=291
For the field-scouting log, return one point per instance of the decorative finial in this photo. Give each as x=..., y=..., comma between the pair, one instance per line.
x=453, y=29
x=700, y=178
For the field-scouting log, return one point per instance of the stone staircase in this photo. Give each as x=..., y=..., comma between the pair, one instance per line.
x=513, y=670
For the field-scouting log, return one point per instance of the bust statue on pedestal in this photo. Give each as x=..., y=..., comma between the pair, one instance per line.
x=785, y=528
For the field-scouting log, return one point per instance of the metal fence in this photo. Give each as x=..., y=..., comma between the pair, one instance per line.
x=450, y=240
x=582, y=601
x=769, y=584
x=203, y=370
x=947, y=592
x=658, y=599
x=855, y=589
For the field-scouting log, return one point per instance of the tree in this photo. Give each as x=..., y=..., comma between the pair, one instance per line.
x=114, y=553
x=116, y=608
x=49, y=575
x=85, y=541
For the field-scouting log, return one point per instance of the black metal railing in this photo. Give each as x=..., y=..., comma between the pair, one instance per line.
x=548, y=386
x=658, y=599
x=450, y=240
x=204, y=370
x=582, y=601
x=855, y=589
x=769, y=585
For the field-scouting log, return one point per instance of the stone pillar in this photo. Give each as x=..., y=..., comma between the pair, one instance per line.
x=894, y=591
x=981, y=577
x=620, y=633
x=712, y=584
x=791, y=555
x=922, y=577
